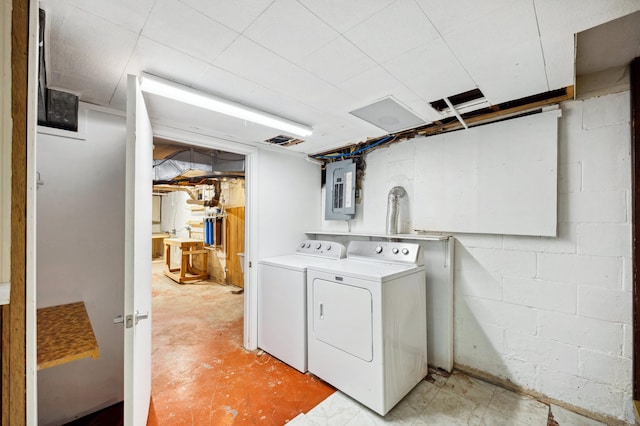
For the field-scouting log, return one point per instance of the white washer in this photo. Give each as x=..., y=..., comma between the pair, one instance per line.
x=367, y=321
x=282, y=299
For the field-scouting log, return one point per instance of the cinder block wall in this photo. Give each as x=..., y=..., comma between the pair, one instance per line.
x=552, y=315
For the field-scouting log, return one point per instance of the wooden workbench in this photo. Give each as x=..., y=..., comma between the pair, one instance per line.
x=187, y=272
x=64, y=334
x=157, y=244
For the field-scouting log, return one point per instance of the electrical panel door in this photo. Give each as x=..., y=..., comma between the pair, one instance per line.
x=340, y=201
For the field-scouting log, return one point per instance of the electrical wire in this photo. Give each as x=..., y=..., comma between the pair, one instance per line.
x=357, y=151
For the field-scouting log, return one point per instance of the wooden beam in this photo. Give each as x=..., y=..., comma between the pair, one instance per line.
x=13, y=315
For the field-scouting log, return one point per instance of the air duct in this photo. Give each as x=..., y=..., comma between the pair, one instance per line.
x=393, y=204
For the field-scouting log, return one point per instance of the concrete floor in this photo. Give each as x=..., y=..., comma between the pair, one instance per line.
x=201, y=374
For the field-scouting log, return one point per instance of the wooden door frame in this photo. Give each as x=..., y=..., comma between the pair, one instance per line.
x=14, y=364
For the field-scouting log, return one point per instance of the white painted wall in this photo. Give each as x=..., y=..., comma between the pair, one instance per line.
x=289, y=201
x=5, y=150
x=552, y=315
x=80, y=241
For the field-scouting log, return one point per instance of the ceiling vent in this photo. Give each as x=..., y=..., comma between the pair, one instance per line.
x=464, y=102
x=388, y=115
x=283, y=140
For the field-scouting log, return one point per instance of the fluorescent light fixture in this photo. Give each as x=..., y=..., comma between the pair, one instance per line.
x=187, y=95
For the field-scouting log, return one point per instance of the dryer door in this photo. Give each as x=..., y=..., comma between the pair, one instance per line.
x=343, y=318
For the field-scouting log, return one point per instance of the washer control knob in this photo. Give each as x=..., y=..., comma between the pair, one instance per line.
x=378, y=249
x=329, y=247
x=395, y=250
x=318, y=246
x=301, y=245
x=405, y=251
x=308, y=245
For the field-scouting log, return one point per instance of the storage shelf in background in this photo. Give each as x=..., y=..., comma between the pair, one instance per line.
x=64, y=335
x=420, y=237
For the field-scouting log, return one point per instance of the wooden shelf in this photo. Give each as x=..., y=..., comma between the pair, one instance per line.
x=65, y=334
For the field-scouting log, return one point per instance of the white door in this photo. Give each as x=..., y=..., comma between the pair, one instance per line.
x=137, y=251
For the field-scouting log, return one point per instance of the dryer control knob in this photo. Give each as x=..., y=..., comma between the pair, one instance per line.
x=301, y=245
x=308, y=245
x=329, y=247
x=378, y=249
x=318, y=246
x=395, y=250
x=405, y=251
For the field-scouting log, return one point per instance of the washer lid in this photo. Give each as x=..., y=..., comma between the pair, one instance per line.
x=297, y=262
x=367, y=270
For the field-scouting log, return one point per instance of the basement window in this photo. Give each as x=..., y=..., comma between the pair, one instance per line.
x=284, y=140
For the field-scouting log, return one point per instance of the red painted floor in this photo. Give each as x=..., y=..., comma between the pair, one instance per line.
x=201, y=374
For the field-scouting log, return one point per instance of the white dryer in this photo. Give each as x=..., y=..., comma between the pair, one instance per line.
x=282, y=299
x=367, y=322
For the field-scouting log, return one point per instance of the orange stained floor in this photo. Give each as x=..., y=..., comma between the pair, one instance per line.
x=201, y=374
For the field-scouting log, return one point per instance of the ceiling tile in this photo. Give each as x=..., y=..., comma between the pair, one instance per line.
x=394, y=30
x=337, y=61
x=290, y=30
x=559, y=53
x=572, y=16
x=157, y=59
x=230, y=86
x=88, y=50
x=515, y=73
x=255, y=63
x=372, y=84
x=128, y=14
x=185, y=29
x=431, y=71
x=447, y=16
x=489, y=35
x=236, y=14
x=342, y=15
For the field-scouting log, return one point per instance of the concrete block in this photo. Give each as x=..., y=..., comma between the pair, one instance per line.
x=604, y=206
x=598, y=177
x=535, y=293
x=586, y=333
x=627, y=347
x=604, y=304
x=522, y=373
x=463, y=258
x=606, y=110
x=479, y=346
x=541, y=351
x=498, y=314
x=480, y=240
x=604, y=239
x=627, y=274
x=565, y=242
x=478, y=284
x=506, y=262
x=580, y=392
x=607, y=369
x=586, y=270
x=570, y=177
x=569, y=132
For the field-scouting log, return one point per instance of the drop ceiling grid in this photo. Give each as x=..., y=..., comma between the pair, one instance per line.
x=448, y=16
x=396, y=29
x=431, y=71
x=484, y=48
x=187, y=30
x=236, y=14
x=249, y=60
x=130, y=15
x=337, y=61
x=559, y=50
x=163, y=61
x=573, y=16
x=343, y=15
x=290, y=30
x=88, y=48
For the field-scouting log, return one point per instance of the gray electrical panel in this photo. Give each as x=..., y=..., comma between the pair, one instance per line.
x=340, y=198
